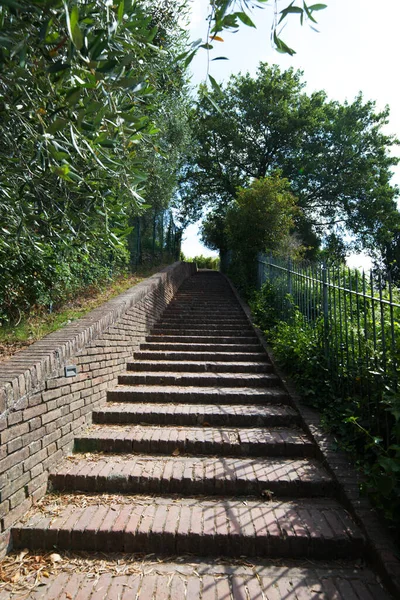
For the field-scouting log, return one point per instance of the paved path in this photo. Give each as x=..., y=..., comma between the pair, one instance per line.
x=199, y=454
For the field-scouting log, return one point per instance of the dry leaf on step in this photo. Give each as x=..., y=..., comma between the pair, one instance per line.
x=55, y=558
x=176, y=452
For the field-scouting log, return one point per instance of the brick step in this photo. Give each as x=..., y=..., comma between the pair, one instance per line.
x=256, y=347
x=197, y=303
x=197, y=578
x=199, y=366
x=191, y=476
x=236, y=323
x=227, y=441
x=301, y=528
x=178, y=326
x=197, y=395
x=201, y=356
x=194, y=332
x=199, y=379
x=203, y=339
x=215, y=300
x=235, y=415
x=200, y=312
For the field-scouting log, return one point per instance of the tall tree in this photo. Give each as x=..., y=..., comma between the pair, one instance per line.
x=336, y=156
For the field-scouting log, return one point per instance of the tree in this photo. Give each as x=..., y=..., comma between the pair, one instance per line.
x=81, y=88
x=335, y=156
x=259, y=219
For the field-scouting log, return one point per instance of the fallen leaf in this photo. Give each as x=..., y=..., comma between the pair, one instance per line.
x=55, y=558
x=176, y=452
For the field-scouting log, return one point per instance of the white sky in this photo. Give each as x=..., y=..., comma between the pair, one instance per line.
x=357, y=49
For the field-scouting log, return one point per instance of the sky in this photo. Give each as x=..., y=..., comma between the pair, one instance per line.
x=356, y=49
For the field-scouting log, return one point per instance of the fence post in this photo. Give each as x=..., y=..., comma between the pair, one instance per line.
x=270, y=267
x=325, y=308
x=289, y=278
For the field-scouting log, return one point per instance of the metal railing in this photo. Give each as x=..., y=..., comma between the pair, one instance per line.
x=355, y=318
x=154, y=238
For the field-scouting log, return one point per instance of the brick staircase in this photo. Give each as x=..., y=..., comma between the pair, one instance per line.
x=198, y=451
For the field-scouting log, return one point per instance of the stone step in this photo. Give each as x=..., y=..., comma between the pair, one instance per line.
x=255, y=347
x=197, y=395
x=199, y=366
x=222, y=441
x=201, y=356
x=202, y=339
x=316, y=529
x=197, y=578
x=233, y=415
x=188, y=476
x=199, y=379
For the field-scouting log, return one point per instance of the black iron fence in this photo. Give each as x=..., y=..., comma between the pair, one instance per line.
x=355, y=320
x=155, y=238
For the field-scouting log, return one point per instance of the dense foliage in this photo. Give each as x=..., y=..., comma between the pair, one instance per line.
x=345, y=365
x=335, y=156
x=89, y=108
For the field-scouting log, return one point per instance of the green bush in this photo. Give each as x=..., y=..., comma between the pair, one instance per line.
x=203, y=262
x=355, y=421
x=43, y=281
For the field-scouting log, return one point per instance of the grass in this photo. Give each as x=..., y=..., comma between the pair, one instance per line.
x=35, y=326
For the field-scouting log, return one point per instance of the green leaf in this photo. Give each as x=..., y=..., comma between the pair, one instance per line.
x=73, y=96
x=317, y=7
x=245, y=19
x=14, y=5
x=108, y=65
x=215, y=85
x=214, y=104
x=74, y=17
x=308, y=12
x=58, y=124
x=77, y=37
x=61, y=171
x=74, y=31
x=121, y=9
x=290, y=10
x=189, y=59
x=74, y=142
x=58, y=66
x=282, y=47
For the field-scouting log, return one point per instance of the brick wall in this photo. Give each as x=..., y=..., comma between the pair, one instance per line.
x=41, y=409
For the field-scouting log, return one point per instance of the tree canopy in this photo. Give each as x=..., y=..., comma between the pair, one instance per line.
x=336, y=156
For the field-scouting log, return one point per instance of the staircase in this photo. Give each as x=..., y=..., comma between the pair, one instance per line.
x=199, y=452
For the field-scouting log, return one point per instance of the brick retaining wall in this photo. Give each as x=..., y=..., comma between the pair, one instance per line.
x=41, y=409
